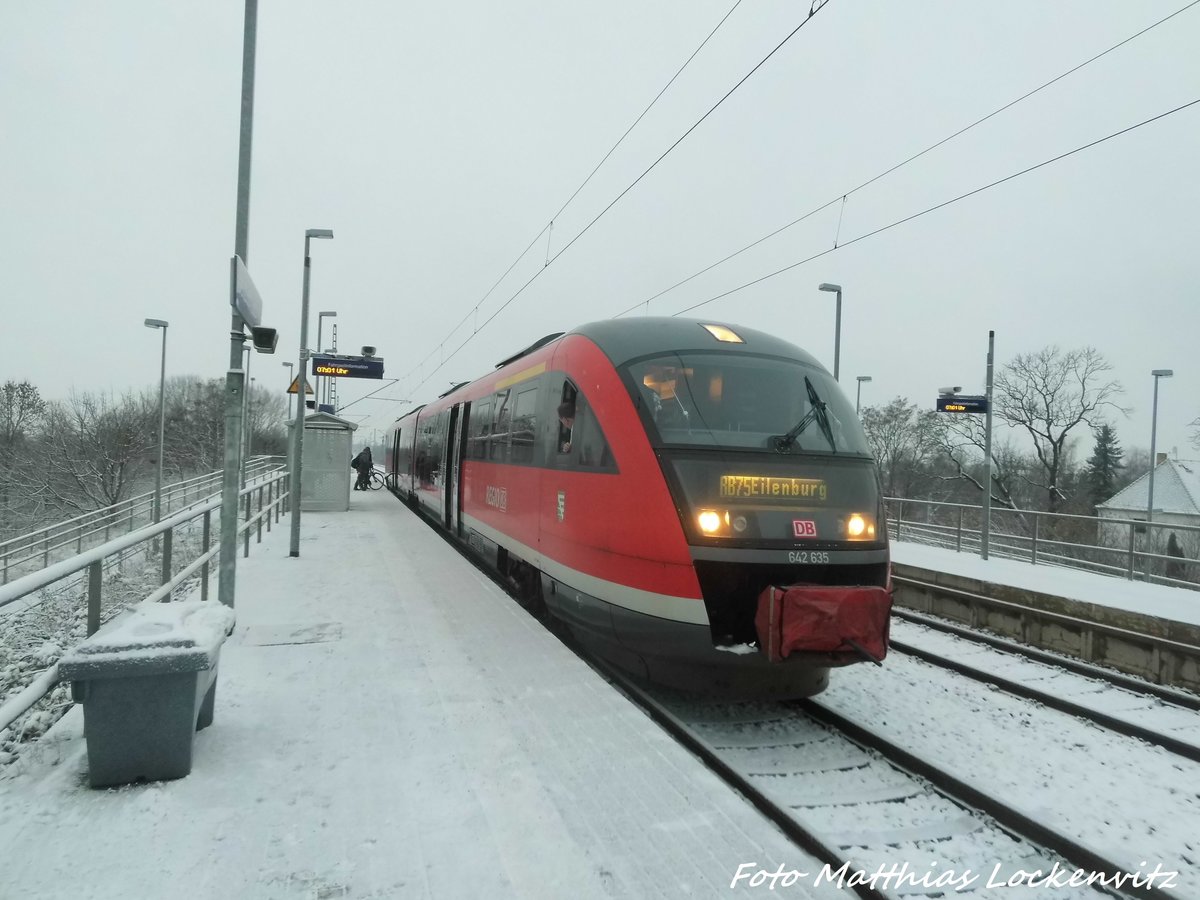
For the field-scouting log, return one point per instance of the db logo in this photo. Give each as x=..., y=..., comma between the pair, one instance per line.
x=804, y=528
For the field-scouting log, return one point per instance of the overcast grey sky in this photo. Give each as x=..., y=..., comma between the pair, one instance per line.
x=437, y=140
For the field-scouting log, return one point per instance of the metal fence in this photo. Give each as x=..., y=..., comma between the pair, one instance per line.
x=260, y=504
x=1124, y=548
x=38, y=549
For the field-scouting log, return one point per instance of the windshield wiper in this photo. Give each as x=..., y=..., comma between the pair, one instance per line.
x=783, y=443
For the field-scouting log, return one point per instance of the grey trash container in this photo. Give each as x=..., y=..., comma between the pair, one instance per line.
x=147, y=685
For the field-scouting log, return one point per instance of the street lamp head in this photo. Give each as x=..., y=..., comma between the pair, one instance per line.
x=1157, y=373
x=328, y=312
x=826, y=286
x=864, y=377
x=156, y=323
x=318, y=233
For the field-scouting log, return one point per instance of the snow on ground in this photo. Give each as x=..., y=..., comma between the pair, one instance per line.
x=1094, y=693
x=390, y=725
x=1132, y=802
x=1177, y=604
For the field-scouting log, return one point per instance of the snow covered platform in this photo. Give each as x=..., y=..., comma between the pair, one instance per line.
x=389, y=724
x=1138, y=598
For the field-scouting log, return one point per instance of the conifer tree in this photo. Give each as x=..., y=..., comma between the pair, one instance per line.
x=1103, y=464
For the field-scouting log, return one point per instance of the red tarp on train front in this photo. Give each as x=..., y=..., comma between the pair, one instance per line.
x=808, y=618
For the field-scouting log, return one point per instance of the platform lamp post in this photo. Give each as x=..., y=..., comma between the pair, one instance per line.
x=858, y=396
x=837, y=328
x=321, y=317
x=1157, y=373
x=162, y=385
x=291, y=367
x=298, y=437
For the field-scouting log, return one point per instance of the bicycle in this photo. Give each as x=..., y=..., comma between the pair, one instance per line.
x=375, y=480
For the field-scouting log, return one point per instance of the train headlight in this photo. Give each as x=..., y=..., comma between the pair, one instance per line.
x=860, y=527
x=709, y=521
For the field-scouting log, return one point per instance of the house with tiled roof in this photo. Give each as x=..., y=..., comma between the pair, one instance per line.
x=1176, y=503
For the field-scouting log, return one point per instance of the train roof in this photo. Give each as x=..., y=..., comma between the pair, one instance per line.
x=622, y=340
x=626, y=339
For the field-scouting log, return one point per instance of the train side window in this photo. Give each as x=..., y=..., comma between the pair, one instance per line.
x=524, y=425
x=480, y=428
x=432, y=446
x=498, y=442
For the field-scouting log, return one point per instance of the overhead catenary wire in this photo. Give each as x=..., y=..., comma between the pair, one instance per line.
x=842, y=197
x=815, y=7
x=550, y=225
x=942, y=205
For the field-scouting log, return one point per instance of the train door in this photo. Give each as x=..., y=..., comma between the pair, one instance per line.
x=455, y=440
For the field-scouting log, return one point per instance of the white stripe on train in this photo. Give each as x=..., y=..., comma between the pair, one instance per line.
x=661, y=606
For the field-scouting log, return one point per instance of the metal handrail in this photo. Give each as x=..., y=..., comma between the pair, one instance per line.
x=93, y=561
x=1037, y=541
x=45, y=542
x=121, y=508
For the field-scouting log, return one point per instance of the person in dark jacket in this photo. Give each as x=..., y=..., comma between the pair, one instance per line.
x=1175, y=566
x=363, y=465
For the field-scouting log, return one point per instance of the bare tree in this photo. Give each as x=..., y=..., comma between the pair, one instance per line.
x=267, y=413
x=962, y=441
x=21, y=408
x=1050, y=393
x=902, y=438
x=195, y=416
x=97, y=449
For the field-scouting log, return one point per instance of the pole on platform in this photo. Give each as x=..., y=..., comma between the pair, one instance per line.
x=235, y=376
x=298, y=436
x=986, y=527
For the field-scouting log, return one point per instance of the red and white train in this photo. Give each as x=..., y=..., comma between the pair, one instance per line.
x=650, y=482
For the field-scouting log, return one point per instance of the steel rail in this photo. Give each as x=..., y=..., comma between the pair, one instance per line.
x=787, y=822
x=1112, y=723
x=1169, y=660
x=1078, y=667
x=1027, y=827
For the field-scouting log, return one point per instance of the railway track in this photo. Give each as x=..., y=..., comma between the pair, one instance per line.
x=871, y=812
x=1155, y=650
x=1110, y=699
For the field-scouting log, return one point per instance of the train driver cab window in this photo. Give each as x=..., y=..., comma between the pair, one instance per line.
x=593, y=452
x=566, y=417
x=581, y=441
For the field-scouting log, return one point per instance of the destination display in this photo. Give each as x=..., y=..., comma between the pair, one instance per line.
x=347, y=366
x=962, y=404
x=773, y=487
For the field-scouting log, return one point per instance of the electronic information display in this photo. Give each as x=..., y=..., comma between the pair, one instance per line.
x=347, y=366
x=962, y=404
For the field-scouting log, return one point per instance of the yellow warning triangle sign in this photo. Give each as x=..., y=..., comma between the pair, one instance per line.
x=294, y=387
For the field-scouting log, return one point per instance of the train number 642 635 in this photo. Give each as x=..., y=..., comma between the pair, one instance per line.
x=808, y=557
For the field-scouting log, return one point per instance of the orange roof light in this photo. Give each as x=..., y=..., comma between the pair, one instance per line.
x=721, y=333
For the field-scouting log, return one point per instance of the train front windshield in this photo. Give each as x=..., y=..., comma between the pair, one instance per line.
x=745, y=402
